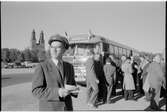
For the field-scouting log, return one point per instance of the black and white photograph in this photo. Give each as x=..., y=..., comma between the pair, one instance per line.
x=83, y=55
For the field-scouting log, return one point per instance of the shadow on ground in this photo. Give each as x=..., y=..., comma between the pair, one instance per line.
x=161, y=104
x=138, y=96
x=6, y=78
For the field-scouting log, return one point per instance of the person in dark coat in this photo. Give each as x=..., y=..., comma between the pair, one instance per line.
x=135, y=74
x=51, y=77
x=91, y=81
x=110, y=74
x=101, y=77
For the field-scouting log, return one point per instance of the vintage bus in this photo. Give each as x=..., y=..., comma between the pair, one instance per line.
x=79, y=45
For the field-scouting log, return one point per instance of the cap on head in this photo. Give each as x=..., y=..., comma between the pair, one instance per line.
x=59, y=38
x=108, y=59
x=123, y=58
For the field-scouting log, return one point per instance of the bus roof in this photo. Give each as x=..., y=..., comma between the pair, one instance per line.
x=85, y=39
x=91, y=39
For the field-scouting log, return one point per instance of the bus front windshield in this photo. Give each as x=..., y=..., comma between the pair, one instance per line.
x=80, y=50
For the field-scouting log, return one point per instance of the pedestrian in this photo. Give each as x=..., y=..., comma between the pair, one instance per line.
x=143, y=66
x=156, y=79
x=163, y=66
x=101, y=77
x=110, y=74
x=135, y=74
x=128, y=82
x=117, y=66
x=52, y=76
x=120, y=74
x=91, y=81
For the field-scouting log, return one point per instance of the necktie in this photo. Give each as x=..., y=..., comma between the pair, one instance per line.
x=60, y=68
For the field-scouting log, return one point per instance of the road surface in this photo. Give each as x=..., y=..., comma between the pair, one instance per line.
x=16, y=76
x=16, y=95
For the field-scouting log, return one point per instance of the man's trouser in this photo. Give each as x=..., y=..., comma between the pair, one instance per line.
x=128, y=94
x=109, y=92
x=92, y=93
x=155, y=96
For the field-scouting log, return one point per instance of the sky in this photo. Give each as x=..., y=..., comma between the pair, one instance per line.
x=140, y=25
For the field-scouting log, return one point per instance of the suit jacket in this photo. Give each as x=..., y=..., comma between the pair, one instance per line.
x=46, y=82
x=91, y=77
x=100, y=72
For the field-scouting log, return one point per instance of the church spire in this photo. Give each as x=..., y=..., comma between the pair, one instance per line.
x=33, y=40
x=41, y=39
x=33, y=35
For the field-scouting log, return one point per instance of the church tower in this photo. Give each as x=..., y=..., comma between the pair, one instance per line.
x=33, y=40
x=42, y=41
x=40, y=46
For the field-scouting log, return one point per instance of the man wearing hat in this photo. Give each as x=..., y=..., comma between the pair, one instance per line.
x=156, y=80
x=52, y=76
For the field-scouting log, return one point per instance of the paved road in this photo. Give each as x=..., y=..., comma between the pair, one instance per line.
x=19, y=98
x=16, y=76
x=16, y=96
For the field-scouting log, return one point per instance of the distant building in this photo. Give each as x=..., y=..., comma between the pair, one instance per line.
x=40, y=46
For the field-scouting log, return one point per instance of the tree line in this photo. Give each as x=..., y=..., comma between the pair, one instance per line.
x=14, y=55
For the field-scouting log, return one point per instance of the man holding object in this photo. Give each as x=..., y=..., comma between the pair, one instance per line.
x=51, y=76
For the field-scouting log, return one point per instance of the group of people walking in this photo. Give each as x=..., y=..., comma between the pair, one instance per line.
x=99, y=79
x=144, y=77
